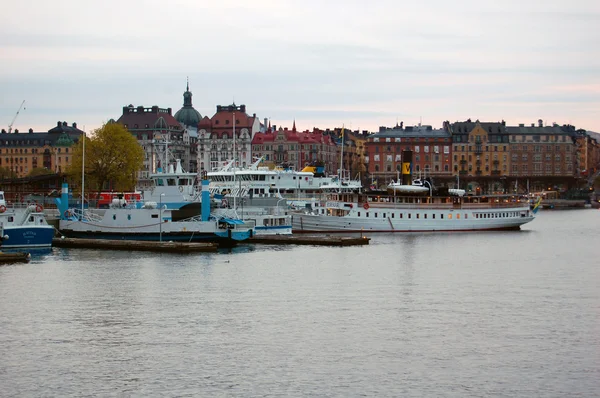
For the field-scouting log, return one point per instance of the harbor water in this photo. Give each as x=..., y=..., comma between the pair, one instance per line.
x=506, y=314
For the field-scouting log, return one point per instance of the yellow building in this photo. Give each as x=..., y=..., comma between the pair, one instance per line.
x=20, y=153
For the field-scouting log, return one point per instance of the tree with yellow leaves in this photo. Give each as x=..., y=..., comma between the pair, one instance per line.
x=112, y=155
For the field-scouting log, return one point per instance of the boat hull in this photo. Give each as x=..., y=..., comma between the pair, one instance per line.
x=419, y=221
x=27, y=236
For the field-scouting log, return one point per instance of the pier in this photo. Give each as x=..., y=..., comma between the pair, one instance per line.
x=17, y=257
x=137, y=245
x=318, y=240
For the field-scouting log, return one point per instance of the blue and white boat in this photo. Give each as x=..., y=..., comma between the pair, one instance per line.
x=151, y=222
x=24, y=227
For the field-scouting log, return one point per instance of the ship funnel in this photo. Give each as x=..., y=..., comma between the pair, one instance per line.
x=406, y=167
x=178, y=169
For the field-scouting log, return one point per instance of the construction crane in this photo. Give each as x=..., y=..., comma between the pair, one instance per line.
x=15, y=118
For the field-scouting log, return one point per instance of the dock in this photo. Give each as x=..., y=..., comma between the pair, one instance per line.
x=17, y=257
x=136, y=245
x=318, y=240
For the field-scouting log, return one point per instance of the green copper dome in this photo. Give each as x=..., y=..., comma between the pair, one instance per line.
x=187, y=115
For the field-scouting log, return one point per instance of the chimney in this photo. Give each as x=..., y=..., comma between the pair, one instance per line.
x=64, y=124
x=266, y=124
x=532, y=124
x=74, y=125
x=540, y=123
x=58, y=124
x=30, y=131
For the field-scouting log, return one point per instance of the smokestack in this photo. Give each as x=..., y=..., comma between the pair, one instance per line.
x=406, y=167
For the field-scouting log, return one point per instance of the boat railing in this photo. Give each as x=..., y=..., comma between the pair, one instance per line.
x=481, y=205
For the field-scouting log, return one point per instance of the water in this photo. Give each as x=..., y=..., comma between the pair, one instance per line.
x=510, y=314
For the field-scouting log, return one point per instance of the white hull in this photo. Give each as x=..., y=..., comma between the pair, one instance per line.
x=414, y=220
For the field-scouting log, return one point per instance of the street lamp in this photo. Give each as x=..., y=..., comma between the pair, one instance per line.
x=160, y=216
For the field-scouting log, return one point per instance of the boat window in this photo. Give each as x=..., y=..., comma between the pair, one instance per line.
x=424, y=215
x=159, y=182
x=154, y=215
x=359, y=214
x=367, y=214
x=375, y=215
x=458, y=216
x=400, y=215
x=442, y=216
x=31, y=219
x=418, y=215
x=466, y=216
x=450, y=216
x=393, y=214
x=171, y=182
x=409, y=215
x=433, y=216
x=11, y=219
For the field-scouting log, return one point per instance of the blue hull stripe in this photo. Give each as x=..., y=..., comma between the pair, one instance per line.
x=28, y=236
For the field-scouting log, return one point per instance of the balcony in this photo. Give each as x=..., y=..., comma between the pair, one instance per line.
x=463, y=172
x=463, y=161
x=496, y=172
x=496, y=162
x=478, y=173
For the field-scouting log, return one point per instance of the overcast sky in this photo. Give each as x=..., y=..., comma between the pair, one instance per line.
x=323, y=63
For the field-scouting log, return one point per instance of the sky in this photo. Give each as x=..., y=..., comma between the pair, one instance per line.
x=327, y=63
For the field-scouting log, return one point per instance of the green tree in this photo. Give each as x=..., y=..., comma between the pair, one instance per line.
x=112, y=155
x=5, y=172
x=39, y=171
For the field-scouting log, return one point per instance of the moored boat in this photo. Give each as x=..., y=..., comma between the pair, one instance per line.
x=346, y=210
x=24, y=226
x=151, y=222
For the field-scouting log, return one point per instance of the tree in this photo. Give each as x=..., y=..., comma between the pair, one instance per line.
x=112, y=155
x=5, y=172
x=39, y=171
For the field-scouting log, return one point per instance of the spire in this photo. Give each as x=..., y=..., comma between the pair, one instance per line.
x=294, y=126
x=187, y=96
x=269, y=126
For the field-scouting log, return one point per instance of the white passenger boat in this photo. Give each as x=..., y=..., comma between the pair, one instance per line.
x=349, y=210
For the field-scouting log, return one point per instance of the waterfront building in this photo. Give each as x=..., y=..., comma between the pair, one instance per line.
x=480, y=154
x=149, y=125
x=543, y=156
x=588, y=152
x=20, y=153
x=297, y=149
x=432, y=152
x=216, y=137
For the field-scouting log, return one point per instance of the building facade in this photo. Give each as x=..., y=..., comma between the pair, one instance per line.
x=543, y=157
x=20, y=153
x=296, y=149
x=151, y=126
x=216, y=142
x=432, y=153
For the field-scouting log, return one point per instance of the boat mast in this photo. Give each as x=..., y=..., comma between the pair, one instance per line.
x=82, y=174
x=234, y=161
x=341, y=160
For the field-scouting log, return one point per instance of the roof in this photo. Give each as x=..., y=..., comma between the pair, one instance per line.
x=305, y=137
x=61, y=135
x=411, y=132
x=536, y=130
x=142, y=118
x=187, y=115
